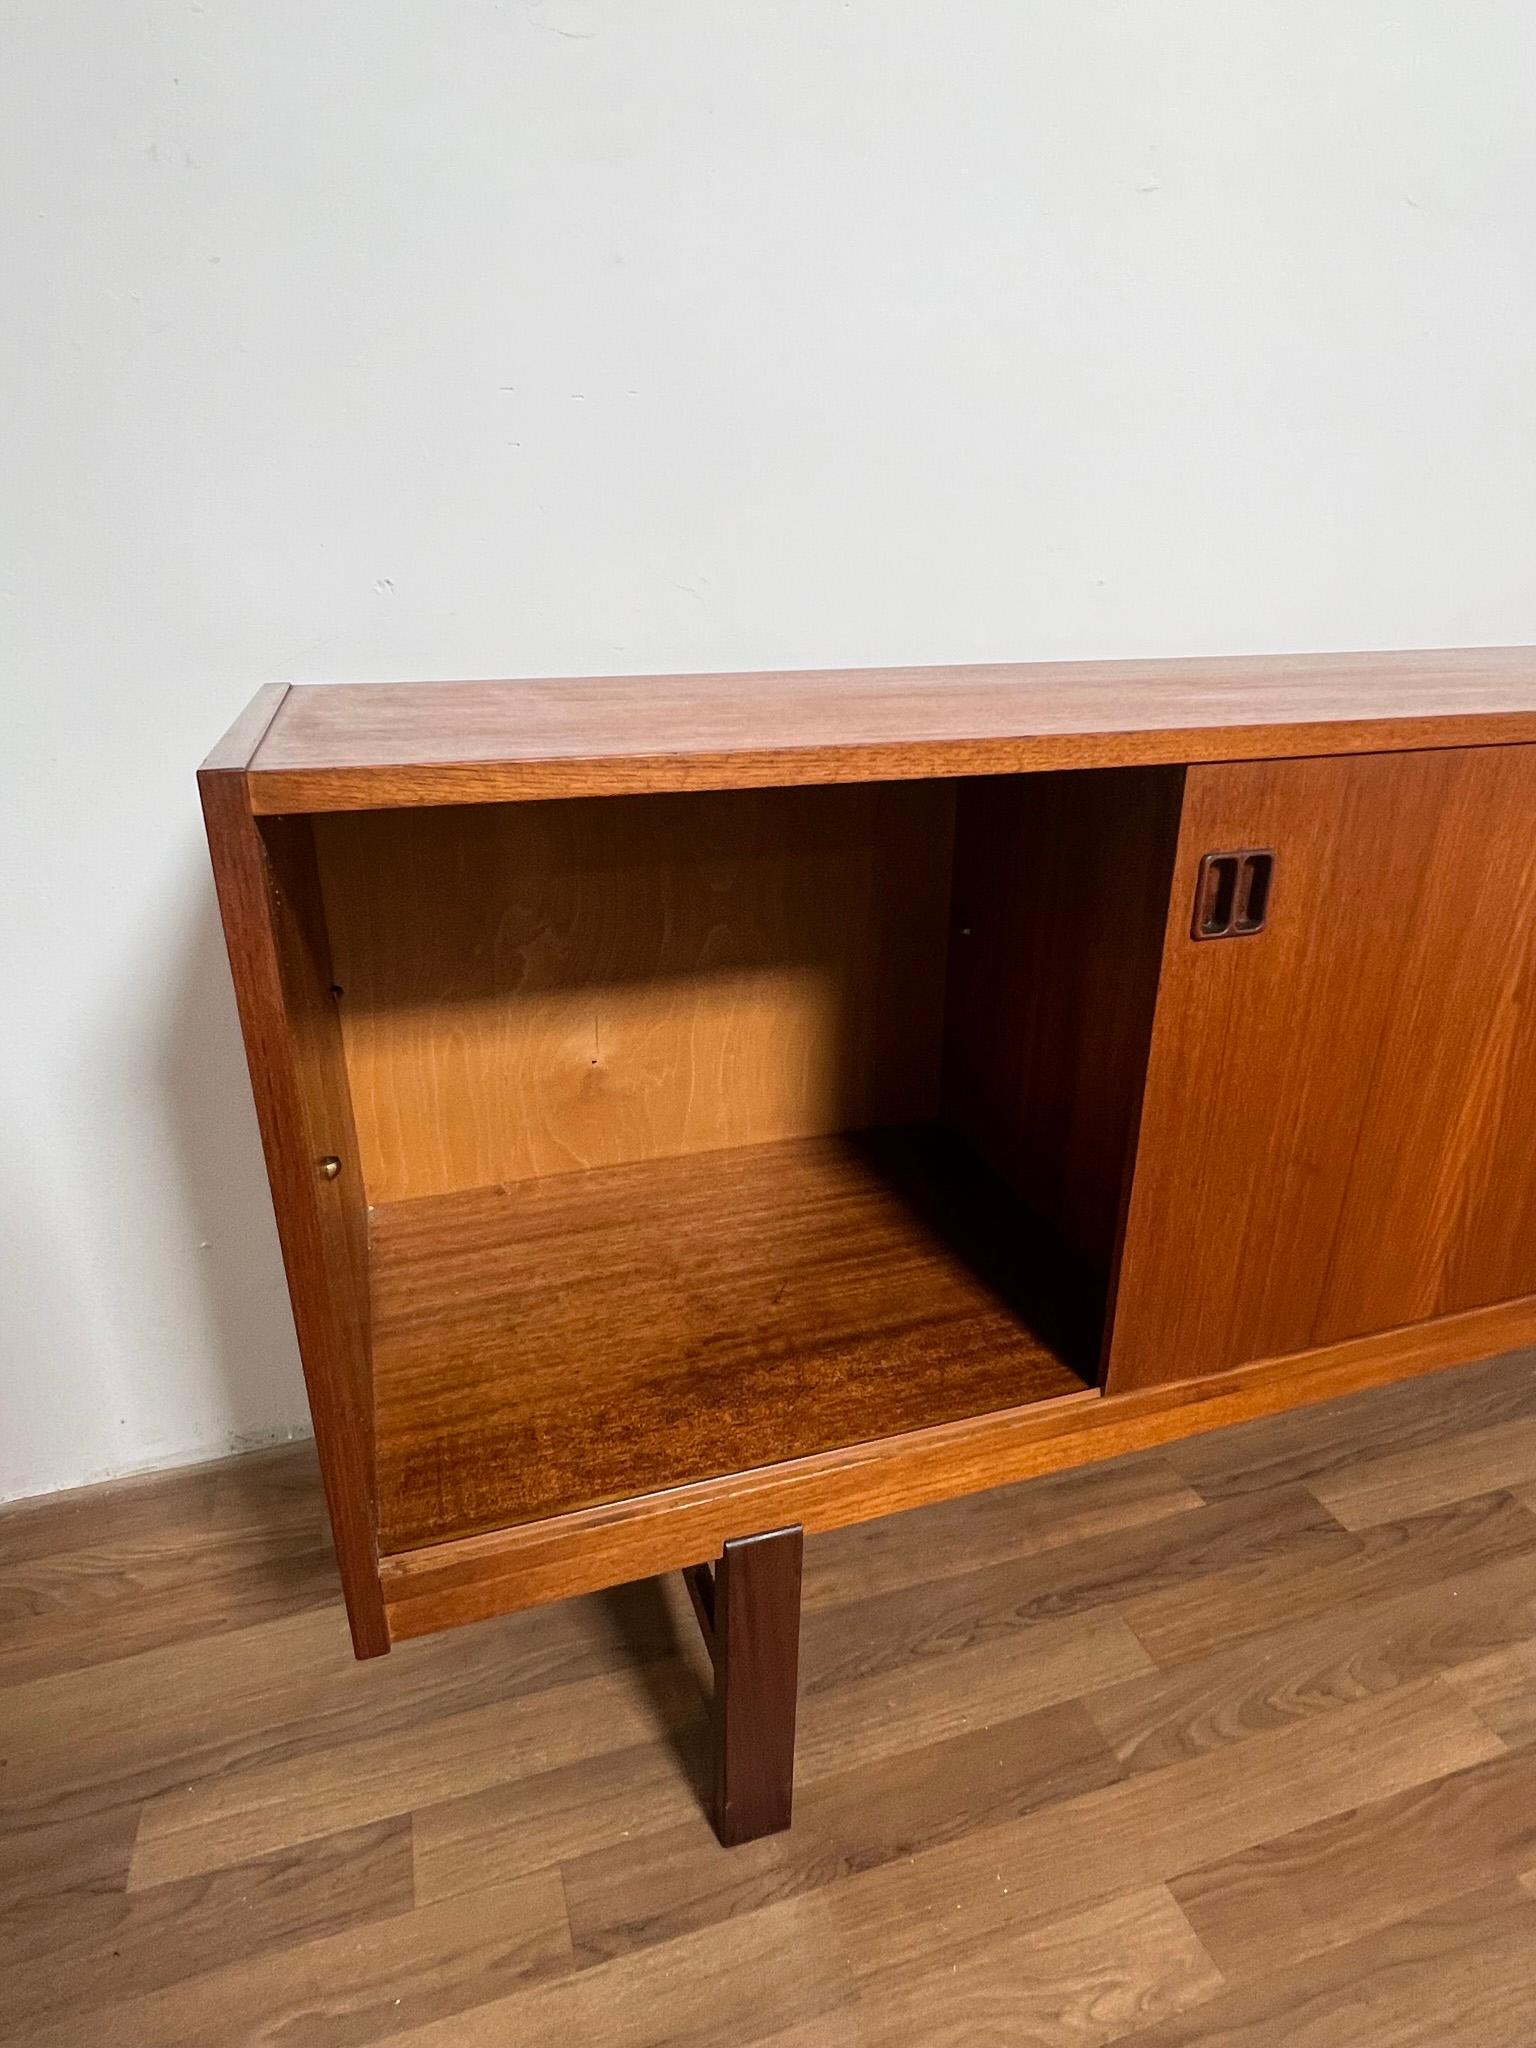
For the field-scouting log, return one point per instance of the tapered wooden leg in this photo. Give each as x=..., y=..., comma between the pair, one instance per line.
x=749, y=1609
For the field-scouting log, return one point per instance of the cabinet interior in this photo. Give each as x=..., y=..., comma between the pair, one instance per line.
x=701, y=1131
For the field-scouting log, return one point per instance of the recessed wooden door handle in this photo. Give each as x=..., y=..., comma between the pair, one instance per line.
x=1233, y=893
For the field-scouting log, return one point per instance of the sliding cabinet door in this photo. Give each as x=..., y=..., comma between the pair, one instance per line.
x=1338, y=1131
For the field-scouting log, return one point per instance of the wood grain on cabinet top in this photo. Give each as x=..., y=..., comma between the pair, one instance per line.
x=363, y=746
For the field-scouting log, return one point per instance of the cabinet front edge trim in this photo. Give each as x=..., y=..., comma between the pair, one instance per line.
x=474, y=1578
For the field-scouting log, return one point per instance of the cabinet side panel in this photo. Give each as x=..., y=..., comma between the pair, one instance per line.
x=1060, y=903
x=1335, y=1137
x=535, y=989
x=275, y=932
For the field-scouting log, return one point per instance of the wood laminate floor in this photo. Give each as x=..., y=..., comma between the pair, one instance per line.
x=1229, y=1744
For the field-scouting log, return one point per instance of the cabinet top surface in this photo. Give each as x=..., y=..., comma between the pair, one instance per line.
x=358, y=746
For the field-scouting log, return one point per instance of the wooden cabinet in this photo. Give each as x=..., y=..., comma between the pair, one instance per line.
x=1337, y=1128
x=705, y=1111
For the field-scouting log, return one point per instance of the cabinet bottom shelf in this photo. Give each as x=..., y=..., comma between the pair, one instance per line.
x=555, y=1344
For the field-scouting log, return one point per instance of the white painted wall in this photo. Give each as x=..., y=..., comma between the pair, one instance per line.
x=447, y=337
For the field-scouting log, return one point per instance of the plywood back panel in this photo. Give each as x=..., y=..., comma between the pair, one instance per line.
x=532, y=989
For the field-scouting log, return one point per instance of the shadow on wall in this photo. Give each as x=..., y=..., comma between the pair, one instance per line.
x=212, y=1123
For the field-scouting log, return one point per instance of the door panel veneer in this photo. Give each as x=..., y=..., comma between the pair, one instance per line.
x=1335, y=1133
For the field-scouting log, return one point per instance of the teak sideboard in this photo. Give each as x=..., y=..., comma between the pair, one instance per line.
x=706, y=1109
